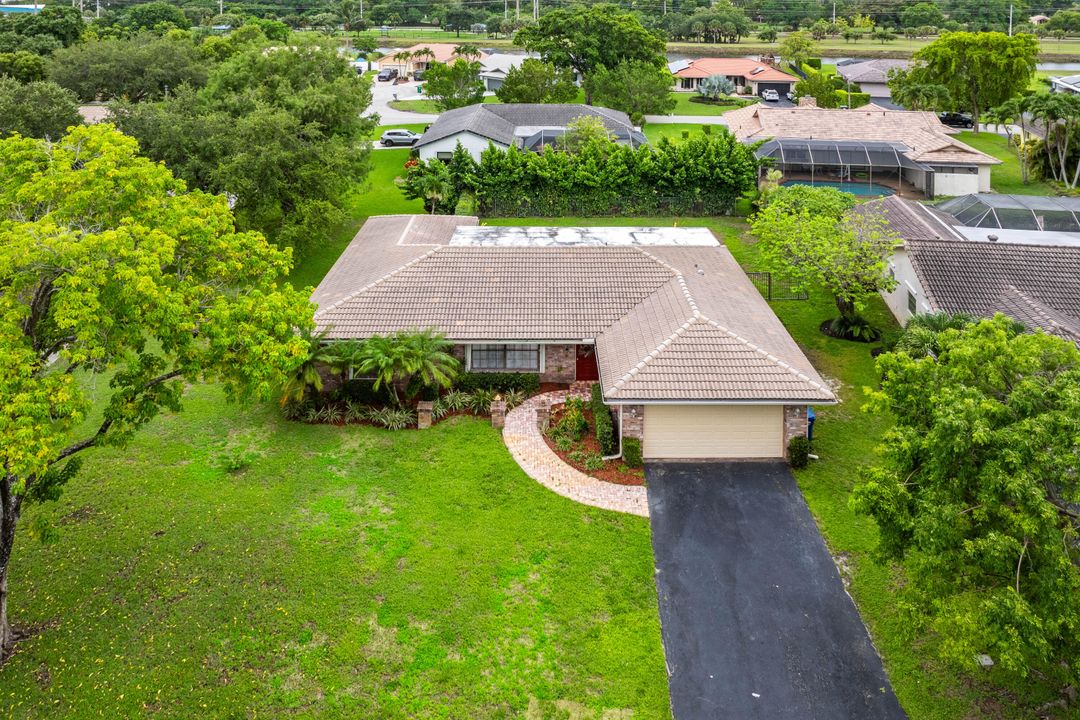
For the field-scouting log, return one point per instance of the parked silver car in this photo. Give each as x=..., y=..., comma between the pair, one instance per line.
x=399, y=137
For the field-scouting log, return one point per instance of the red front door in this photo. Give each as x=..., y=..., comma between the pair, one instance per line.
x=586, y=364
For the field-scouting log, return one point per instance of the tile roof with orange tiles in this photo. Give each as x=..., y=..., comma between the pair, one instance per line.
x=733, y=67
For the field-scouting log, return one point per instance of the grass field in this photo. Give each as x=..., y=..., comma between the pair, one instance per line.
x=672, y=131
x=1004, y=178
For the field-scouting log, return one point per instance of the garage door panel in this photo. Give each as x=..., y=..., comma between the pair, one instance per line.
x=713, y=431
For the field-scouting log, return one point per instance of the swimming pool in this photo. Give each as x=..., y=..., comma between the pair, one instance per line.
x=855, y=188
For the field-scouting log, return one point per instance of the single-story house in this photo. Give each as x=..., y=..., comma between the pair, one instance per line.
x=1065, y=84
x=741, y=71
x=443, y=53
x=1038, y=19
x=682, y=344
x=494, y=67
x=521, y=125
x=884, y=150
x=941, y=266
x=872, y=76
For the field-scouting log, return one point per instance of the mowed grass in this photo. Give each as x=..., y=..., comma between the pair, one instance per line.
x=1004, y=178
x=685, y=106
x=346, y=572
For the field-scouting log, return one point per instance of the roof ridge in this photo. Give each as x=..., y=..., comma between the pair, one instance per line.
x=653, y=354
x=769, y=356
x=373, y=283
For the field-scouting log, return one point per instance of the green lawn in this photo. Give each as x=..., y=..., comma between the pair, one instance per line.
x=1004, y=178
x=674, y=131
x=683, y=106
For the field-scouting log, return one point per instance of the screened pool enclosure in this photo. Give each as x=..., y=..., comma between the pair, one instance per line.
x=1015, y=212
x=828, y=162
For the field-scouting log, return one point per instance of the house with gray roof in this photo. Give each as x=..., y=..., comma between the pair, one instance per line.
x=943, y=265
x=525, y=126
x=872, y=76
x=663, y=318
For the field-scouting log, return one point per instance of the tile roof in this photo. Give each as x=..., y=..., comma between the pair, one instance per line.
x=1036, y=284
x=922, y=132
x=734, y=67
x=444, y=52
x=911, y=220
x=871, y=71
x=499, y=122
x=670, y=322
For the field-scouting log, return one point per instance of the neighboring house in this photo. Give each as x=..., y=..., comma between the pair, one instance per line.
x=443, y=52
x=741, y=71
x=1038, y=19
x=887, y=150
x=943, y=267
x=93, y=114
x=682, y=344
x=1065, y=84
x=522, y=125
x=494, y=67
x=872, y=76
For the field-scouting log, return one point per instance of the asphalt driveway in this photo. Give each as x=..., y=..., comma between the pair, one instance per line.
x=756, y=622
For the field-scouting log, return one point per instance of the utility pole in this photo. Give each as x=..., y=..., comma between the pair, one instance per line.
x=220, y=7
x=536, y=9
x=1010, y=19
x=834, y=12
x=361, y=9
x=517, y=9
x=665, y=7
x=97, y=10
x=506, y=9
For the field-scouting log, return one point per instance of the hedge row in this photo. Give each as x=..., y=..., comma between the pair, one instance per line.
x=605, y=428
x=528, y=383
x=705, y=175
x=854, y=100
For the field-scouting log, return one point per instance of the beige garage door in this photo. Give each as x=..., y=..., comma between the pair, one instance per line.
x=713, y=431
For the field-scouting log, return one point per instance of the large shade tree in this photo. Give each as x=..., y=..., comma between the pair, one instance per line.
x=586, y=38
x=977, y=494
x=979, y=70
x=114, y=279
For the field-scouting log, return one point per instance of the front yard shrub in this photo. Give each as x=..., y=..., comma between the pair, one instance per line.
x=798, y=451
x=593, y=462
x=480, y=401
x=513, y=398
x=363, y=391
x=564, y=444
x=631, y=452
x=572, y=423
x=392, y=418
x=602, y=423
x=528, y=383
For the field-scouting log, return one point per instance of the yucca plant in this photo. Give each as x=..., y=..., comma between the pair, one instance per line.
x=354, y=411
x=480, y=401
x=393, y=418
x=456, y=400
x=513, y=398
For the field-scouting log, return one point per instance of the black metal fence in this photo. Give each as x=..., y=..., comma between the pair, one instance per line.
x=774, y=287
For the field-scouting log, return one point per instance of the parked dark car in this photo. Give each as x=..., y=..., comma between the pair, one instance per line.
x=956, y=120
x=387, y=74
x=418, y=75
x=399, y=137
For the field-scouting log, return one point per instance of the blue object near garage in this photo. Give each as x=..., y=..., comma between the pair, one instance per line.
x=810, y=423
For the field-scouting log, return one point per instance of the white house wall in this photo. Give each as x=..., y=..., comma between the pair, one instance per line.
x=952, y=184
x=876, y=90
x=474, y=144
x=907, y=282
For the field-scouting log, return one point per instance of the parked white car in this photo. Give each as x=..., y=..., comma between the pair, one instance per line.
x=770, y=96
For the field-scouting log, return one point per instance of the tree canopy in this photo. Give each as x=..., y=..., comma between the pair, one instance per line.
x=54, y=26
x=114, y=276
x=536, y=81
x=455, y=84
x=811, y=235
x=635, y=87
x=980, y=70
x=977, y=494
x=279, y=130
x=37, y=109
x=586, y=38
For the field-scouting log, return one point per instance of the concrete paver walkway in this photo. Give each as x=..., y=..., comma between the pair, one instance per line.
x=532, y=453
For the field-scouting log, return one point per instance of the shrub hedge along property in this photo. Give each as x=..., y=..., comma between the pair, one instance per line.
x=631, y=451
x=704, y=175
x=604, y=427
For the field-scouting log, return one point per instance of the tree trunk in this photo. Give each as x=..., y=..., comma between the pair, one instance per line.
x=9, y=516
x=846, y=308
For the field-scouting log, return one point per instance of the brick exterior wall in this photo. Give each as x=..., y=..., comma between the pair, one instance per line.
x=795, y=423
x=633, y=421
x=560, y=364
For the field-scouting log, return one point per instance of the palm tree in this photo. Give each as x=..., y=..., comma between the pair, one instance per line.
x=395, y=359
x=403, y=59
x=467, y=52
x=1013, y=112
x=306, y=376
x=425, y=55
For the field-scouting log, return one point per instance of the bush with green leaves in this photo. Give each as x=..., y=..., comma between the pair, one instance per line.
x=631, y=448
x=798, y=451
x=528, y=383
x=593, y=462
x=704, y=175
x=572, y=422
x=922, y=331
x=394, y=360
x=564, y=444
x=603, y=425
x=480, y=401
x=392, y=418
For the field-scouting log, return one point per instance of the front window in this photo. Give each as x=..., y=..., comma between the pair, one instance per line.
x=516, y=357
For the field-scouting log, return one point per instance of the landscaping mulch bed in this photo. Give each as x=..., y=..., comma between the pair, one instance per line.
x=614, y=471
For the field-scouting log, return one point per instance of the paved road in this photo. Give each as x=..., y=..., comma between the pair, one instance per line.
x=756, y=622
x=383, y=92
